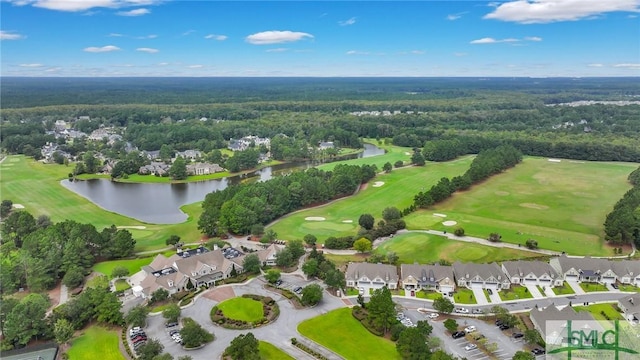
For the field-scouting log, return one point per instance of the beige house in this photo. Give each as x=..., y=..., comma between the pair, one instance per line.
x=630, y=307
x=427, y=277
x=628, y=271
x=584, y=269
x=483, y=276
x=371, y=276
x=550, y=320
x=531, y=273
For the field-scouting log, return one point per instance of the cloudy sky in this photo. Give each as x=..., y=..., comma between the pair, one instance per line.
x=320, y=38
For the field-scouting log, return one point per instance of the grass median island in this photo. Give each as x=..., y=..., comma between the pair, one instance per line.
x=96, y=342
x=540, y=200
x=269, y=352
x=425, y=248
x=400, y=187
x=339, y=331
x=241, y=308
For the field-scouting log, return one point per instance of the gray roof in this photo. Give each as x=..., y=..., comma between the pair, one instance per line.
x=564, y=263
x=551, y=313
x=523, y=268
x=426, y=274
x=484, y=271
x=626, y=267
x=631, y=304
x=357, y=270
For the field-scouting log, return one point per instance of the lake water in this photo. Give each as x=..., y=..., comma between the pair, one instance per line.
x=160, y=203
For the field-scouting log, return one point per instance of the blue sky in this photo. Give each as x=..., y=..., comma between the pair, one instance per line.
x=320, y=38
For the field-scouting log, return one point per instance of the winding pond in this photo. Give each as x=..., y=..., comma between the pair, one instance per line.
x=160, y=203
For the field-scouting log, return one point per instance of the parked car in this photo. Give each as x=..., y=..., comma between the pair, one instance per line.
x=615, y=286
x=499, y=322
x=173, y=332
x=298, y=290
x=462, y=310
x=457, y=334
x=278, y=282
x=518, y=335
x=504, y=327
x=134, y=330
x=538, y=351
x=470, y=329
x=361, y=291
x=471, y=347
x=433, y=316
x=490, y=292
x=171, y=324
x=477, y=311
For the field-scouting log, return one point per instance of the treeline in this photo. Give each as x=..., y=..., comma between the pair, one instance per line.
x=237, y=208
x=622, y=225
x=487, y=163
x=37, y=253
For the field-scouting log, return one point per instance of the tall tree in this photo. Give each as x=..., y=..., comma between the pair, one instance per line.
x=243, y=347
x=171, y=313
x=63, y=331
x=366, y=221
x=382, y=310
x=26, y=320
x=251, y=264
x=137, y=316
x=178, y=170
x=443, y=305
x=312, y=294
x=362, y=245
x=412, y=345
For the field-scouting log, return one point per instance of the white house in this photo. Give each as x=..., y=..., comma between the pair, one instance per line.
x=374, y=276
x=427, y=277
x=484, y=276
x=531, y=273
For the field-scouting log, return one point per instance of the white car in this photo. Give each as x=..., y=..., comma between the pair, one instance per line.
x=462, y=310
x=471, y=347
x=361, y=291
x=433, y=316
x=470, y=329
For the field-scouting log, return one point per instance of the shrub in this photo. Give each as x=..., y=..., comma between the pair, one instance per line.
x=458, y=232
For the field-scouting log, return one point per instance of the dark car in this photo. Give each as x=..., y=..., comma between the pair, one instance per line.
x=171, y=324
x=490, y=291
x=538, y=351
x=517, y=335
x=504, y=327
x=278, y=282
x=172, y=332
x=458, y=334
x=615, y=286
x=297, y=290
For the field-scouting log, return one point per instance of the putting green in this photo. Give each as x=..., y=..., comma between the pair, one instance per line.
x=562, y=205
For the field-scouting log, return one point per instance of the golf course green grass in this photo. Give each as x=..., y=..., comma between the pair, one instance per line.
x=269, y=352
x=36, y=186
x=426, y=248
x=393, y=154
x=133, y=265
x=240, y=308
x=96, y=342
x=342, y=333
x=562, y=205
x=341, y=217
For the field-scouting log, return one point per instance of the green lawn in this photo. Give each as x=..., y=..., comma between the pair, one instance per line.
x=240, y=308
x=628, y=288
x=592, y=287
x=341, y=217
x=133, y=265
x=342, y=333
x=425, y=248
x=541, y=200
x=269, y=352
x=122, y=284
x=431, y=295
x=597, y=309
x=37, y=187
x=352, y=292
x=464, y=296
x=514, y=293
x=565, y=289
x=96, y=342
x=98, y=281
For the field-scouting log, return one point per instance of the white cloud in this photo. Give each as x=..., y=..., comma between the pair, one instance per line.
x=147, y=50
x=628, y=66
x=115, y=35
x=151, y=36
x=545, y=11
x=418, y=52
x=356, y=52
x=277, y=50
x=83, y=5
x=198, y=66
x=31, y=65
x=10, y=35
x=533, y=38
x=276, y=37
x=457, y=16
x=188, y=32
x=459, y=54
x=135, y=12
x=216, y=37
x=595, y=65
x=347, y=22
x=489, y=40
x=163, y=64
x=53, y=69
x=95, y=49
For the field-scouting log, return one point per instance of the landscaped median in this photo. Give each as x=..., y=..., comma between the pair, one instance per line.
x=340, y=332
x=245, y=312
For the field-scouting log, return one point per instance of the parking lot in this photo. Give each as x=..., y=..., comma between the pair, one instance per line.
x=507, y=346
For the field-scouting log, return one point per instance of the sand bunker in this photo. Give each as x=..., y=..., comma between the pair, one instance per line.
x=501, y=193
x=315, y=218
x=138, y=227
x=18, y=206
x=534, y=206
x=378, y=184
x=347, y=221
x=555, y=160
x=449, y=223
x=439, y=215
x=407, y=153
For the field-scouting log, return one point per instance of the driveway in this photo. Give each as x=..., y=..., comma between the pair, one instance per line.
x=609, y=287
x=478, y=293
x=495, y=297
x=576, y=287
x=549, y=292
x=533, y=290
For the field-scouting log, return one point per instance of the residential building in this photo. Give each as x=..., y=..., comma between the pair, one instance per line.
x=189, y=154
x=484, y=276
x=60, y=125
x=155, y=168
x=630, y=307
x=245, y=143
x=628, y=271
x=269, y=255
x=532, y=273
x=203, y=169
x=586, y=269
x=326, y=145
x=546, y=321
x=427, y=277
x=372, y=276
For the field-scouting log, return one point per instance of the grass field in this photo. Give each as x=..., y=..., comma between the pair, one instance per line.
x=122, y=284
x=464, y=296
x=400, y=186
x=240, y=308
x=96, y=342
x=393, y=154
x=425, y=248
x=37, y=187
x=431, y=295
x=342, y=333
x=597, y=309
x=562, y=205
x=515, y=293
x=591, y=287
x=269, y=352
x=133, y=265
x=565, y=289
